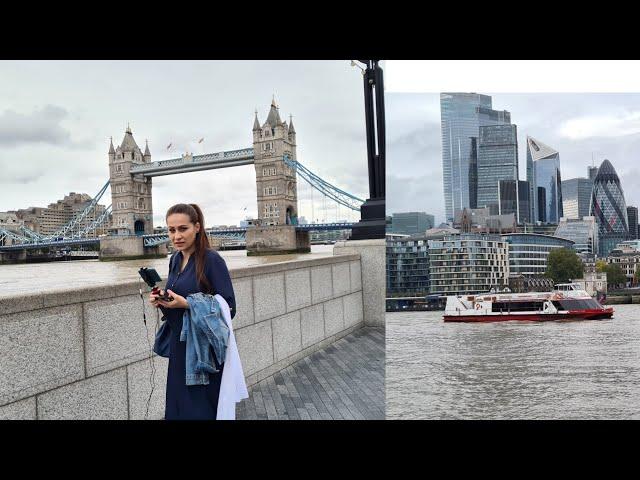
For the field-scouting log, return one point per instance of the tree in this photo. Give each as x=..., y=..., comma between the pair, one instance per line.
x=601, y=266
x=636, y=276
x=615, y=275
x=563, y=264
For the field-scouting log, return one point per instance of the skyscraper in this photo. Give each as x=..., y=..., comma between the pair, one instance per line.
x=473, y=173
x=411, y=223
x=576, y=197
x=524, y=202
x=461, y=115
x=543, y=175
x=609, y=208
x=632, y=216
x=514, y=198
x=507, y=197
x=497, y=160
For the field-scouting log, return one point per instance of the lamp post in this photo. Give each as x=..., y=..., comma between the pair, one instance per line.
x=372, y=212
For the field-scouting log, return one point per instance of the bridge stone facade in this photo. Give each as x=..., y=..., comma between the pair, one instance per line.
x=276, y=183
x=131, y=205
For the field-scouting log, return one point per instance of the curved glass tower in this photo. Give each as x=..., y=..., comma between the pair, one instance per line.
x=543, y=174
x=609, y=208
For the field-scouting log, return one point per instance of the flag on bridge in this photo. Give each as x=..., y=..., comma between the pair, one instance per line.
x=201, y=140
x=169, y=146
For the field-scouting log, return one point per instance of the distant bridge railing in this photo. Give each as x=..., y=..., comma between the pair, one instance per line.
x=194, y=163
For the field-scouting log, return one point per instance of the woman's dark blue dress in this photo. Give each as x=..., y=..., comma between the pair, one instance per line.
x=195, y=402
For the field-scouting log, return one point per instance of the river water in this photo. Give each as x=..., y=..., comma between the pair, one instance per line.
x=23, y=278
x=513, y=370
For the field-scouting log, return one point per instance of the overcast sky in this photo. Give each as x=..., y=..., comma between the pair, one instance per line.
x=56, y=118
x=578, y=125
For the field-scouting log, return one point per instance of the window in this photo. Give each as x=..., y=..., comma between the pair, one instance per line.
x=118, y=168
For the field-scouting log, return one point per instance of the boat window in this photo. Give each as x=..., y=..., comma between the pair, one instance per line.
x=531, y=306
x=577, y=304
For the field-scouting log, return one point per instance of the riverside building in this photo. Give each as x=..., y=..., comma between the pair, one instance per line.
x=407, y=266
x=467, y=264
x=47, y=221
x=528, y=252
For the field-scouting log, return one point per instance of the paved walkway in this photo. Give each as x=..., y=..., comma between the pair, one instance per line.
x=342, y=381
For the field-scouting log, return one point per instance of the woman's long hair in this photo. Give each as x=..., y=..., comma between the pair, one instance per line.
x=202, y=241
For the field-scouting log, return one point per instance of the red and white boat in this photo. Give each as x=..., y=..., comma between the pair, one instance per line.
x=566, y=302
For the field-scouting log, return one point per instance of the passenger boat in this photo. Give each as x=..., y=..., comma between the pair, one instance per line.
x=565, y=302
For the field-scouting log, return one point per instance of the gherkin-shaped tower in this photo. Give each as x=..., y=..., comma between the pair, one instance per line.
x=609, y=208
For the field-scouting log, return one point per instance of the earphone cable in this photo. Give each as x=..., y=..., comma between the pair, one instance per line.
x=152, y=378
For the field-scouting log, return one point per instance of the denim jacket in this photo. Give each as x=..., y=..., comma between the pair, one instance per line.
x=203, y=327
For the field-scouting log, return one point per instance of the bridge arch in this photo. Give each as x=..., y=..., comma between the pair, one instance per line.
x=139, y=227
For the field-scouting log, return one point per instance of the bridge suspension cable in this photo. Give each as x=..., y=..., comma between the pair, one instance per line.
x=324, y=187
x=75, y=221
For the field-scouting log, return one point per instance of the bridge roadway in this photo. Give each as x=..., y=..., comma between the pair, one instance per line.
x=157, y=238
x=344, y=381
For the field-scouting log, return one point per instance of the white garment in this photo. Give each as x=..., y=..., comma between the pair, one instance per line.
x=233, y=387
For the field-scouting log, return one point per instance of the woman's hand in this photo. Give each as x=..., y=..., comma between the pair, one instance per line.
x=153, y=300
x=177, y=302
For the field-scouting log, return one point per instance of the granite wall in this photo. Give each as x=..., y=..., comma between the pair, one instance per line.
x=85, y=354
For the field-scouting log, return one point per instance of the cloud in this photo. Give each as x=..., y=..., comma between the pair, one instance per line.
x=417, y=193
x=21, y=179
x=40, y=126
x=607, y=125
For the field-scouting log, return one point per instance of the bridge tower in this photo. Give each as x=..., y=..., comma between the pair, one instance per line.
x=276, y=183
x=130, y=194
x=277, y=189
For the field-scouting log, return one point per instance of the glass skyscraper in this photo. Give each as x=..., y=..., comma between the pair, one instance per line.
x=583, y=232
x=609, y=208
x=462, y=115
x=543, y=175
x=514, y=198
x=632, y=216
x=524, y=202
x=410, y=223
x=576, y=197
x=497, y=160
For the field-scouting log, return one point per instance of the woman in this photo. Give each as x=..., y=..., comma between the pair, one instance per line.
x=195, y=267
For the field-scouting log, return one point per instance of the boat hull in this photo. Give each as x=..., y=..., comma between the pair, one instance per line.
x=533, y=317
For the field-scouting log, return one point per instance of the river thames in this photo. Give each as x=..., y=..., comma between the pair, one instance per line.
x=24, y=278
x=513, y=370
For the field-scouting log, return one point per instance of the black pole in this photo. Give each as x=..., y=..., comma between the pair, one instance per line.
x=372, y=213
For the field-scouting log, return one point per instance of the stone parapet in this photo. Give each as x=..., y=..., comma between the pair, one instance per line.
x=373, y=275
x=84, y=354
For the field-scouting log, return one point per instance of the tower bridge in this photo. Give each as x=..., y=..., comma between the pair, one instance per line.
x=131, y=171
